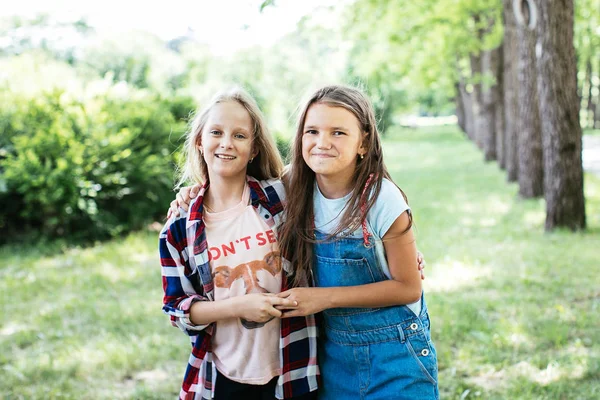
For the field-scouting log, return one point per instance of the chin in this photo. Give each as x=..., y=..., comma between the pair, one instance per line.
x=228, y=173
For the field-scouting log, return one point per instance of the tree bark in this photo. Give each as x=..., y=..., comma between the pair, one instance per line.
x=467, y=103
x=559, y=105
x=531, y=171
x=510, y=92
x=477, y=99
x=500, y=110
x=460, y=108
x=489, y=68
x=591, y=106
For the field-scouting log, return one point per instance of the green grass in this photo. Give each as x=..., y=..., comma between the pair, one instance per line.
x=590, y=132
x=514, y=311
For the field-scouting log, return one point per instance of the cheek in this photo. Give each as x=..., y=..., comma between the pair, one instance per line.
x=306, y=145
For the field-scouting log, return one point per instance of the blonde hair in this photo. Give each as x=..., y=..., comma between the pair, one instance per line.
x=266, y=165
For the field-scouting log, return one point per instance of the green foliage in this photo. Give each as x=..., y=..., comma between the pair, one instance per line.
x=87, y=170
x=284, y=147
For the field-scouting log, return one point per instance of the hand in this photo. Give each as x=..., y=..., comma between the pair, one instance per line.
x=421, y=264
x=260, y=307
x=308, y=301
x=182, y=199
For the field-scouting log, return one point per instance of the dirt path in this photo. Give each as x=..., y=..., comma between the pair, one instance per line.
x=591, y=154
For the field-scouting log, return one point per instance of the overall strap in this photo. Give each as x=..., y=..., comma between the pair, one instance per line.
x=363, y=209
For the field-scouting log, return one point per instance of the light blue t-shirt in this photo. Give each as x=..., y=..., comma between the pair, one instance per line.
x=390, y=204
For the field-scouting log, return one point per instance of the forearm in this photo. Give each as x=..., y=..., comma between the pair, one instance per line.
x=381, y=294
x=207, y=312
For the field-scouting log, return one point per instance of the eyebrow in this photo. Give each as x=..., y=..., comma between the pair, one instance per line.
x=219, y=126
x=333, y=128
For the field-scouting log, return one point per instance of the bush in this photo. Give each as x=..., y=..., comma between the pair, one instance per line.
x=284, y=147
x=90, y=170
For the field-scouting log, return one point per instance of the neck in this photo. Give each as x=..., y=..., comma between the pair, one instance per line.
x=334, y=187
x=223, y=194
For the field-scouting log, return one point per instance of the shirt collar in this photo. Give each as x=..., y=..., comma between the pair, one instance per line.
x=257, y=197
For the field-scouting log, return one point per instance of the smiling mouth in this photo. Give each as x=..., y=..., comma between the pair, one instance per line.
x=225, y=157
x=322, y=155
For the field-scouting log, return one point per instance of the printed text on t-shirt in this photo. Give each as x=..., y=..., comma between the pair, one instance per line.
x=245, y=243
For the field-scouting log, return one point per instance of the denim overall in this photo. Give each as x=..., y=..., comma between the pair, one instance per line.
x=370, y=353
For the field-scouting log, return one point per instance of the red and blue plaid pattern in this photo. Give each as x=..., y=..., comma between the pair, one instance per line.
x=187, y=278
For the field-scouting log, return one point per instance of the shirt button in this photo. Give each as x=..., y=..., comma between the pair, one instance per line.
x=266, y=216
x=414, y=326
x=425, y=352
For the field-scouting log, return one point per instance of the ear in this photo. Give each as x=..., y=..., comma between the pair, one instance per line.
x=362, y=150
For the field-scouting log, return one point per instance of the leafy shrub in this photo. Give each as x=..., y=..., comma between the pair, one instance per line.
x=89, y=170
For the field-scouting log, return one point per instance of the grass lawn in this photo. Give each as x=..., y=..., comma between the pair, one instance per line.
x=515, y=312
x=590, y=132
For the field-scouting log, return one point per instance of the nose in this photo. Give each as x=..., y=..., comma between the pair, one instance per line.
x=226, y=142
x=323, y=141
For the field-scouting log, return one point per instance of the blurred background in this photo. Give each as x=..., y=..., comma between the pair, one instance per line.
x=490, y=118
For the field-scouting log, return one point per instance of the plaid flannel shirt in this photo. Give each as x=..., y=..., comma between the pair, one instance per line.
x=187, y=278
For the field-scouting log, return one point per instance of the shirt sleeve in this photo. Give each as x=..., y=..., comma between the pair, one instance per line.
x=390, y=204
x=180, y=292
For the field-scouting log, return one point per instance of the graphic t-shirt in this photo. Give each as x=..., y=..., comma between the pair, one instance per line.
x=244, y=259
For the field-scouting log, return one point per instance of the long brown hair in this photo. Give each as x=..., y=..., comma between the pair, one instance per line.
x=266, y=165
x=297, y=233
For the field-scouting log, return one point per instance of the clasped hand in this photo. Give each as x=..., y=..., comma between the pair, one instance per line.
x=308, y=301
x=262, y=307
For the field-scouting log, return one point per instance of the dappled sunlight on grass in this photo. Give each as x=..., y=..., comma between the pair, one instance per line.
x=12, y=328
x=499, y=379
x=534, y=219
x=452, y=275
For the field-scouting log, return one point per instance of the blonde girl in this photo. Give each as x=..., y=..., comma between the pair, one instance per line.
x=222, y=269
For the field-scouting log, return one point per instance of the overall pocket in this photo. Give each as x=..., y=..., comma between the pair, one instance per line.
x=422, y=350
x=331, y=272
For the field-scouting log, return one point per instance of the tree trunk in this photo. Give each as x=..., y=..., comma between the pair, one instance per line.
x=477, y=99
x=467, y=103
x=559, y=105
x=489, y=68
x=500, y=110
x=596, y=110
x=510, y=92
x=460, y=108
x=531, y=171
x=589, y=120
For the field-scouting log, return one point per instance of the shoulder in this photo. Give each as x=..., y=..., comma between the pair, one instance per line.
x=391, y=196
x=273, y=189
x=388, y=206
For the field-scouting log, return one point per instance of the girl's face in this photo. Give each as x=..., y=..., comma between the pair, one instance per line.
x=332, y=141
x=226, y=141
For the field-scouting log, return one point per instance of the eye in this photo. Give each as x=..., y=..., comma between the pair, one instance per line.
x=239, y=136
x=311, y=132
x=338, y=133
x=215, y=132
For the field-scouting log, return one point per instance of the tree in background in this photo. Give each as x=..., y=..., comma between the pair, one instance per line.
x=510, y=80
x=559, y=107
x=528, y=124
